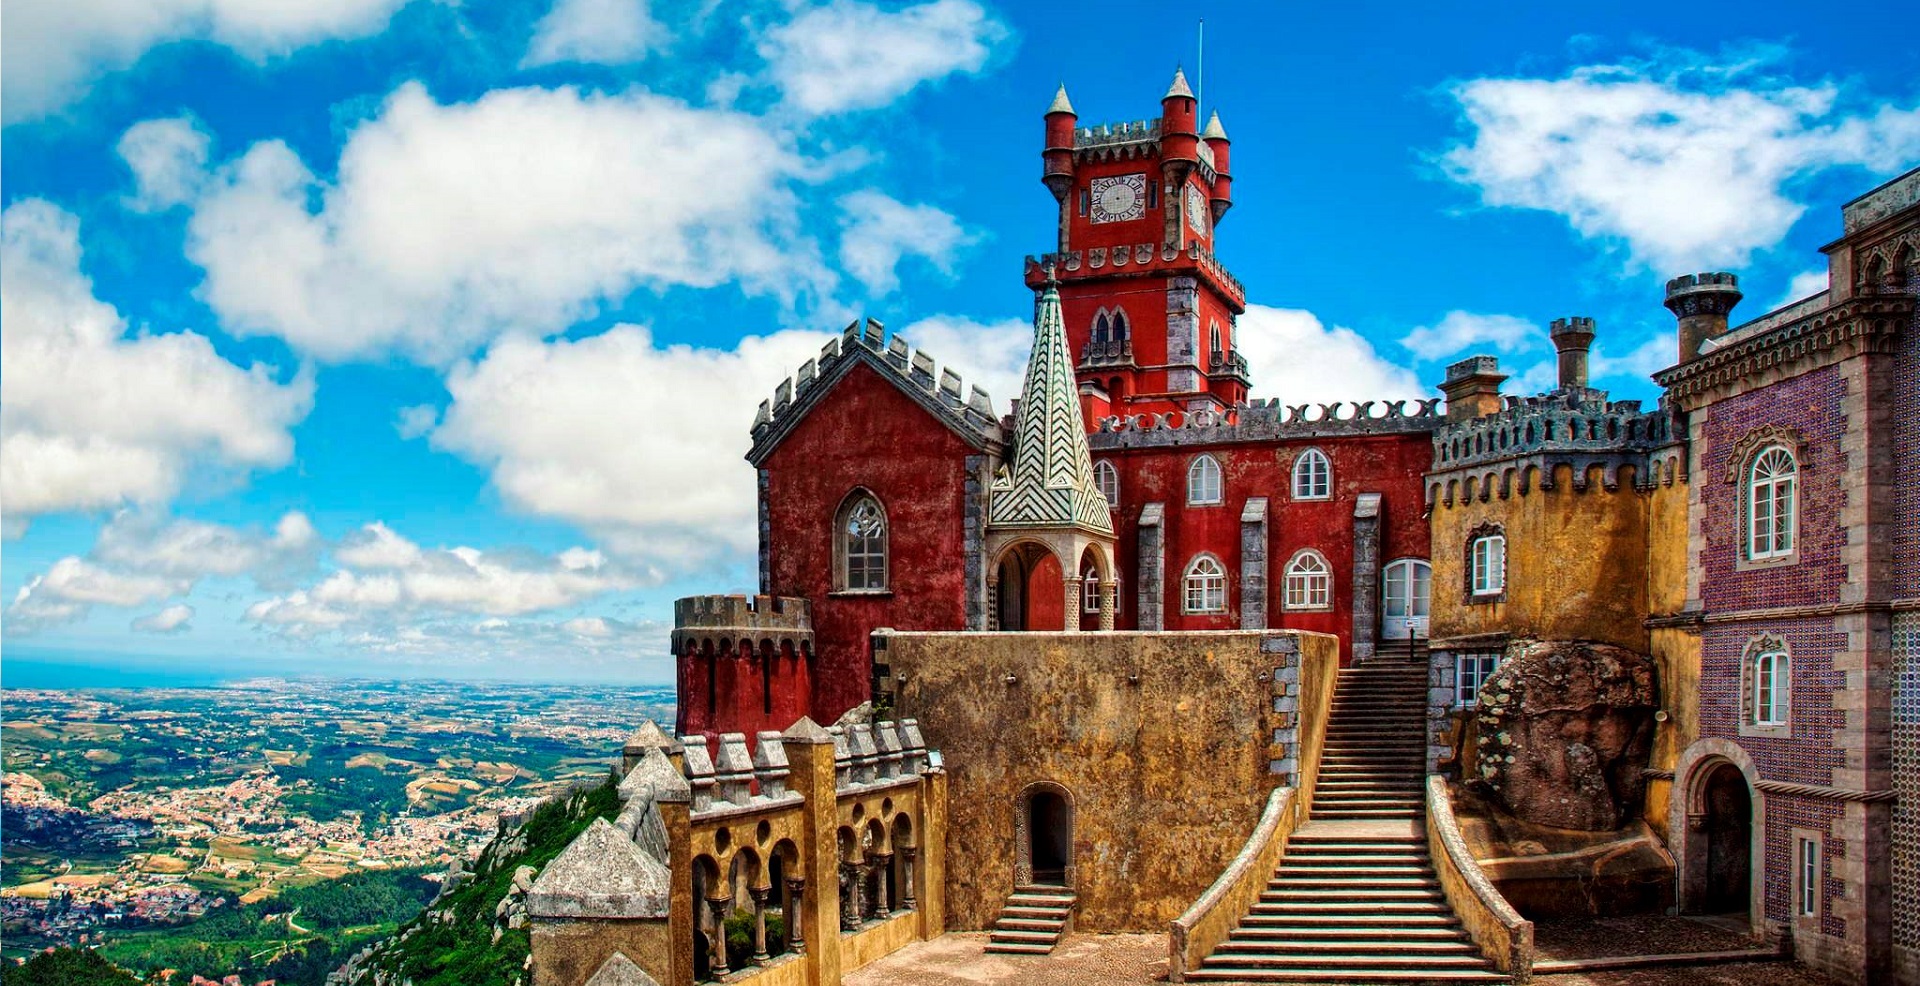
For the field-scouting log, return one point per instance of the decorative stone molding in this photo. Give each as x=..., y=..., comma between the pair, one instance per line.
x=1764, y=437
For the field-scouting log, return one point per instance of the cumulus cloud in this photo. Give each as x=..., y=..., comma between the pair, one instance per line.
x=172, y=619
x=1689, y=167
x=848, y=55
x=54, y=50
x=1295, y=357
x=526, y=209
x=877, y=231
x=73, y=586
x=94, y=418
x=169, y=161
x=390, y=581
x=606, y=32
x=1805, y=284
x=992, y=355
x=1458, y=330
x=192, y=549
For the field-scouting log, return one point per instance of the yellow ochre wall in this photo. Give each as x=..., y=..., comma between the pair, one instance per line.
x=1675, y=649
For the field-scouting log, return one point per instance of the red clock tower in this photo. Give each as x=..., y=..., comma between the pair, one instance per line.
x=1149, y=311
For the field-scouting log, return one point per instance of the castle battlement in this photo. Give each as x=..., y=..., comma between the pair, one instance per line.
x=1265, y=421
x=758, y=620
x=1140, y=256
x=1519, y=447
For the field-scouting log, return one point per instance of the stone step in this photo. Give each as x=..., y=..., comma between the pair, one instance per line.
x=1017, y=948
x=1356, y=895
x=1023, y=937
x=1316, y=870
x=1369, y=923
x=1038, y=913
x=1337, y=886
x=1348, y=932
x=1362, y=946
x=1414, y=960
x=1050, y=925
x=1230, y=973
x=1024, y=899
x=1374, y=862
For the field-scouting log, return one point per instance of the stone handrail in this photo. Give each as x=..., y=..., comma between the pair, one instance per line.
x=1195, y=934
x=1502, y=934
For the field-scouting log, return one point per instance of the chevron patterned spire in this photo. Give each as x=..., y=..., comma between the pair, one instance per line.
x=1050, y=483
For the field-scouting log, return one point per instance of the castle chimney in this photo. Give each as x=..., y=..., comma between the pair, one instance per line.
x=1572, y=338
x=1701, y=302
x=1473, y=388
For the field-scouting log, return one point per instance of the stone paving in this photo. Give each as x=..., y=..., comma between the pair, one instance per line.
x=958, y=959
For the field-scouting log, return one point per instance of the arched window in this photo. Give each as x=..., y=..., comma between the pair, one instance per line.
x=1107, y=479
x=1772, y=506
x=861, y=539
x=1772, y=685
x=1487, y=564
x=1213, y=340
x=1206, y=586
x=1090, y=591
x=1203, y=480
x=1102, y=331
x=1309, y=582
x=1312, y=476
x=1119, y=325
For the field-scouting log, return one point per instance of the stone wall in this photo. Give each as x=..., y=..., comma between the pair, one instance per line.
x=1166, y=743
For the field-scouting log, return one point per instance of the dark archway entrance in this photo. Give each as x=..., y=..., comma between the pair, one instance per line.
x=1049, y=837
x=1727, y=833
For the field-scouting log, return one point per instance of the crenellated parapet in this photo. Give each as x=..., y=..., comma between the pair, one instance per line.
x=1266, y=421
x=968, y=410
x=752, y=622
x=1141, y=257
x=1130, y=140
x=1517, y=449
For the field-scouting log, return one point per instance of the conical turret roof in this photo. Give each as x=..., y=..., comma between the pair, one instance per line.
x=1214, y=129
x=1179, y=87
x=1050, y=483
x=1061, y=104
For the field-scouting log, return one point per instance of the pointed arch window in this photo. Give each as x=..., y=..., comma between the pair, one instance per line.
x=1312, y=476
x=1119, y=325
x=1203, y=480
x=1309, y=581
x=1206, y=586
x=1107, y=479
x=860, y=538
x=1772, y=503
x=1102, y=329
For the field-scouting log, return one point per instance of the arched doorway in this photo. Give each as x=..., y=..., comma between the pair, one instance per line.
x=1029, y=584
x=1726, y=836
x=1044, y=835
x=1406, y=590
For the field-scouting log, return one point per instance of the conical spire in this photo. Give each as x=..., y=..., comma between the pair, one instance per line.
x=1179, y=87
x=1051, y=482
x=1214, y=129
x=1061, y=104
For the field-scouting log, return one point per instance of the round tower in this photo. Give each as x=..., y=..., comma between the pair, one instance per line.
x=1701, y=302
x=1216, y=137
x=1057, y=159
x=1179, y=122
x=1572, y=339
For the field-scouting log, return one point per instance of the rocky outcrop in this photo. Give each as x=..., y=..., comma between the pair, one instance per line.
x=1565, y=728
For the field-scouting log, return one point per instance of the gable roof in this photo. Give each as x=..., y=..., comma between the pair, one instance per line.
x=914, y=373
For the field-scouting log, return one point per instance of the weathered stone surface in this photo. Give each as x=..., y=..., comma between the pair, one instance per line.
x=1565, y=728
x=620, y=971
x=1557, y=873
x=601, y=874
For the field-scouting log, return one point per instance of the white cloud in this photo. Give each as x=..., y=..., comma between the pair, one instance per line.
x=169, y=161
x=526, y=209
x=877, y=231
x=73, y=586
x=1291, y=355
x=638, y=443
x=192, y=549
x=416, y=420
x=172, y=619
x=95, y=419
x=607, y=32
x=1690, y=168
x=1459, y=330
x=848, y=55
x=1803, y=285
x=376, y=546
x=990, y=354
x=54, y=50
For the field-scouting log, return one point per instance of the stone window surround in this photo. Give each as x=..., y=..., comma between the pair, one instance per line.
x=1740, y=462
x=1460, y=659
x=1288, y=576
x=1186, y=586
x=1474, y=537
x=840, y=514
x=1023, y=836
x=1758, y=644
x=1300, y=461
x=1197, y=465
x=1090, y=591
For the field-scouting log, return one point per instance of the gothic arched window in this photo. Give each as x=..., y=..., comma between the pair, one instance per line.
x=1102, y=329
x=1309, y=581
x=1206, y=586
x=1203, y=480
x=1107, y=479
x=860, y=540
x=1312, y=476
x=1772, y=503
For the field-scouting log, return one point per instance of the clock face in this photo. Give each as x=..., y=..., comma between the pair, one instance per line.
x=1119, y=198
x=1197, y=212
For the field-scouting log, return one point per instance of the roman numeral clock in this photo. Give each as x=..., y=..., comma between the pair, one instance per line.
x=1119, y=198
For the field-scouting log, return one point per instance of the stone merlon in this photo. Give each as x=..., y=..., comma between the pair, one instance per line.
x=601, y=874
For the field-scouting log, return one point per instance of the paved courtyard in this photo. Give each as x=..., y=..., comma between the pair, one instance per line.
x=958, y=959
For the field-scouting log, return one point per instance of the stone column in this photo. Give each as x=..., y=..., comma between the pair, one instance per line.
x=1150, y=580
x=1253, y=564
x=1108, y=598
x=1366, y=575
x=993, y=602
x=879, y=863
x=1072, y=620
x=849, y=897
x=810, y=753
x=908, y=853
x=796, y=930
x=759, y=895
x=717, y=939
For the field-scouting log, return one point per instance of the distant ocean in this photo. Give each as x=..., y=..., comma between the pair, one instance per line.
x=66, y=675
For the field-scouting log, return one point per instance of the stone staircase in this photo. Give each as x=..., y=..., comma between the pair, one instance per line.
x=1032, y=921
x=1355, y=898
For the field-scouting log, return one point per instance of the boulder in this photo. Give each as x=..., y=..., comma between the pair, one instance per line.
x=1564, y=730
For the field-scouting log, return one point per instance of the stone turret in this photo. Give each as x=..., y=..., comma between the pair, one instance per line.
x=1216, y=137
x=1473, y=388
x=1058, y=156
x=1572, y=338
x=1701, y=302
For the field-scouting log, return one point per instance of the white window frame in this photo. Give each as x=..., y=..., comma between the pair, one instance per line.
x=1312, y=476
x=873, y=574
x=1772, y=687
x=1475, y=667
x=1807, y=903
x=1203, y=589
x=1205, y=485
x=1488, y=576
x=1089, y=590
x=1773, y=504
x=1107, y=479
x=1308, y=582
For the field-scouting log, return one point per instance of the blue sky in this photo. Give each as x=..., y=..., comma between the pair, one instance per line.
x=417, y=337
